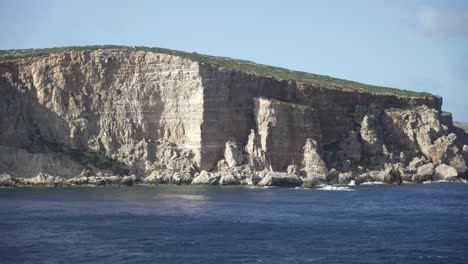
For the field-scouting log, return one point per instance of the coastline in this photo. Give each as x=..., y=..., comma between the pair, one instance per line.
x=129, y=181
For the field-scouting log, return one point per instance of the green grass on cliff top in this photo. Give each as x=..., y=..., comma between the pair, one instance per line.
x=240, y=65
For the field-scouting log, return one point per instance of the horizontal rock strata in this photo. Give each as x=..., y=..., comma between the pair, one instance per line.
x=123, y=116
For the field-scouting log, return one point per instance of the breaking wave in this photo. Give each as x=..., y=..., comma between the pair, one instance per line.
x=335, y=188
x=372, y=183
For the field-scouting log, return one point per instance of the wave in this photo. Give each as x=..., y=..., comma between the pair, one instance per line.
x=300, y=188
x=372, y=183
x=335, y=188
x=442, y=181
x=407, y=182
x=258, y=187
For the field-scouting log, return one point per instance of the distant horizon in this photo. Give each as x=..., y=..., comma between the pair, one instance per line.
x=416, y=46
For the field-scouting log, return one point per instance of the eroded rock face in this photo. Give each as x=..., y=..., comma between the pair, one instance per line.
x=283, y=128
x=163, y=118
x=413, y=130
x=350, y=148
x=371, y=135
x=233, y=154
x=314, y=168
x=445, y=150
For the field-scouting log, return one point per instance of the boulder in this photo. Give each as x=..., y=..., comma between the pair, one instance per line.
x=332, y=176
x=415, y=164
x=365, y=177
x=181, y=177
x=6, y=180
x=79, y=180
x=309, y=183
x=129, y=180
x=254, y=179
x=390, y=176
x=425, y=173
x=151, y=178
x=168, y=176
x=112, y=180
x=97, y=180
x=229, y=179
x=346, y=177
x=44, y=179
x=405, y=173
x=233, y=154
x=280, y=179
x=206, y=178
x=445, y=172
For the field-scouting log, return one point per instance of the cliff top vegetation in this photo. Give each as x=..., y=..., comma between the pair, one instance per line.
x=235, y=64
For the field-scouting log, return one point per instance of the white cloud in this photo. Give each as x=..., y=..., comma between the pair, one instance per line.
x=437, y=20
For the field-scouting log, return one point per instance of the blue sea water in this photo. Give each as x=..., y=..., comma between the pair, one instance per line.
x=412, y=223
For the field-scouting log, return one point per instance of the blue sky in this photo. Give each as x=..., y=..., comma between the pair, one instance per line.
x=418, y=45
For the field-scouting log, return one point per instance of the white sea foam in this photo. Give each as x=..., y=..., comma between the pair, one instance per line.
x=352, y=183
x=439, y=181
x=442, y=181
x=372, y=183
x=300, y=188
x=335, y=188
x=259, y=187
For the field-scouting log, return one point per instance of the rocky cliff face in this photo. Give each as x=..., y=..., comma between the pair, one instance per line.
x=156, y=115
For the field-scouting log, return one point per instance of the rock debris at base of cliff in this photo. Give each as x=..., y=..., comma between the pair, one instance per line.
x=123, y=116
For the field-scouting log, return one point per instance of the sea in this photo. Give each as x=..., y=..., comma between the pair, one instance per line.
x=411, y=223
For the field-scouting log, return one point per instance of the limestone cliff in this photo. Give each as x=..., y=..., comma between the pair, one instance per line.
x=149, y=112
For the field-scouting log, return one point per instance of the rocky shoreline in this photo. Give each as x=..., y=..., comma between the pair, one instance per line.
x=251, y=167
x=270, y=179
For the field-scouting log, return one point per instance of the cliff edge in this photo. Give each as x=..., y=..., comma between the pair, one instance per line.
x=95, y=114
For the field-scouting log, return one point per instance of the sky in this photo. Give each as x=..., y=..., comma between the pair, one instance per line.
x=418, y=45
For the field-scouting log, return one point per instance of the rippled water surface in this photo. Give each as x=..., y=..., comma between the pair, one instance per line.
x=195, y=224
